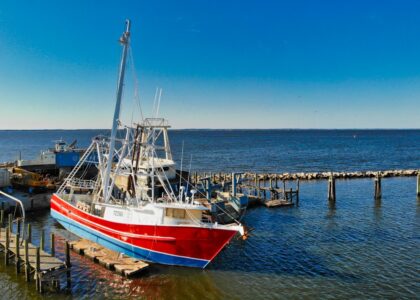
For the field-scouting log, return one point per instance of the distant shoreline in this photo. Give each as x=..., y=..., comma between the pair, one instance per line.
x=231, y=129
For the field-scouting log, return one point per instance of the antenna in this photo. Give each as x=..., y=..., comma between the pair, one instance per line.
x=180, y=173
x=189, y=170
x=154, y=100
x=136, y=83
x=158, y=102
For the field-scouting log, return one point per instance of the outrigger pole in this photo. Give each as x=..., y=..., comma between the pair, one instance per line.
x=124, y=40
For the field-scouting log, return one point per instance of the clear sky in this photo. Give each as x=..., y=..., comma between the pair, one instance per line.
x=221, y=64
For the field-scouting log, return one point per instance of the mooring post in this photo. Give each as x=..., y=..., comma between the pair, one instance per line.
x=378, y=188
x=18, y=226
x=52, y=244
x=17, y=254
x=331, y=188
x=291, y=195
x=2, y=217
x=284, y=189
x=27, y=266
x=37, y=270
x=418, y=183
x=56, y=285
x=6, y=250
x=29, y=237
x=68, y=265
x=255, y=184
x=42, y=242
x=10, y=224
x=297, y=192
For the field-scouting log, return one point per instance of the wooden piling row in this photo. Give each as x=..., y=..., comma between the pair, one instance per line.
x=259, y=193
x=44, y=266
x=307, y=175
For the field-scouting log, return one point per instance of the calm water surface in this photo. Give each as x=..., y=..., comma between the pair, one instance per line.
x=360, y=248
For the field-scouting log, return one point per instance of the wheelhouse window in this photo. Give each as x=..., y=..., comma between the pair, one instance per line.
x=175, y=213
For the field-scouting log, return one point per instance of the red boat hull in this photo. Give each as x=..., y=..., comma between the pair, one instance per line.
x=192, y=246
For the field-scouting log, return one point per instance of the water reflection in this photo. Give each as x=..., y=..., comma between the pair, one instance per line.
x=314, y=251
x=377, y=210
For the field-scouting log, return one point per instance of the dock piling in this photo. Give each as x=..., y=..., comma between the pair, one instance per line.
x=42, y=240
x=18, y=225
x=6, y=248
x=378, y=188
x=1, y=217
x=331, y=188
x=68, y=265
x=37, y=270
x=255, y=183
x=52, y=239
x=17, y=253
x=29, y=237
x=418, y=183
x=27, y=265
x=10, y=224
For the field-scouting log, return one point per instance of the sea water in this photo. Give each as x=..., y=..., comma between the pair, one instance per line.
x=357, y=248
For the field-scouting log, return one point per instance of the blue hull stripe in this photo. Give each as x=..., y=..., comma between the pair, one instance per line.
x=130, y=250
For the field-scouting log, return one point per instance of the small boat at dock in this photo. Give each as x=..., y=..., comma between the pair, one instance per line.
x=63, y=155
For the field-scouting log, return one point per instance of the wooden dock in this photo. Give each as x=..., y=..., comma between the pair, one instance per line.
x=118, y=262
x=45, y=268
x=47, y=262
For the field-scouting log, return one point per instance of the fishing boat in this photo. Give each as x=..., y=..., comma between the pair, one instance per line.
x=62, y=155
x=139, y=203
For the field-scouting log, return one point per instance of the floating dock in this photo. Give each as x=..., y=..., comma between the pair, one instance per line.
x=121, y=264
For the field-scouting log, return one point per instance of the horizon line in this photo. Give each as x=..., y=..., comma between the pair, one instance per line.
x=209, y=128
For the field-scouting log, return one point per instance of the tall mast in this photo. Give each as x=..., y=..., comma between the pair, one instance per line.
x=124, y=40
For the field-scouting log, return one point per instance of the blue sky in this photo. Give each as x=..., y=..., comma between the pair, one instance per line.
x=221, y=64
